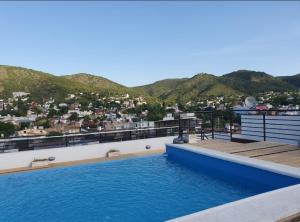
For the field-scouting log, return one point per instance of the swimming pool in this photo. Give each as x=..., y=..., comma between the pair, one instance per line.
x=153, y=188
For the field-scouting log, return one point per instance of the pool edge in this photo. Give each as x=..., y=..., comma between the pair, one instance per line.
x=270, y=206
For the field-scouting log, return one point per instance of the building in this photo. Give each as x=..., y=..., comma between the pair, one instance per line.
x=32, y=132
x=20, y=94
x=1, y=105
x=169, y=116
x=187, y=121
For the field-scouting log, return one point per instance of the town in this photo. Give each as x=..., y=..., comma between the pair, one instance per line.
x=21, y=116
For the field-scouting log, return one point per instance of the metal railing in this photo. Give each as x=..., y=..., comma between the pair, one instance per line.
x=251, y=125
x=233, y=125
x=35, y=143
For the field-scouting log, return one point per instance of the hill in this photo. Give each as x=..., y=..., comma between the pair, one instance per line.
x=199, y=85
x=44, y=85
x=96, y=83
x=251, y=82
x=292, y=80
x=162, y=87
x=241, y=82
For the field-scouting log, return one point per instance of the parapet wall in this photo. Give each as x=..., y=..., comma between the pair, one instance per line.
x=80, y=152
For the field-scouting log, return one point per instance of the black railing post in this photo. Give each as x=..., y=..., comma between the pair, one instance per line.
x=179, y=126
x=264, y=125
x=230, y=127
x=212, y=125
x=28, y=144
x=67, y=141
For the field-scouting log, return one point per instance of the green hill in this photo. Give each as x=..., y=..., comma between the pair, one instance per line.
x=44, y=85
x=96, y=83
x=292, y=80
x=199, y=85
x=242, y=82
x=188, y=88
x=251, y=82
x=162, y=87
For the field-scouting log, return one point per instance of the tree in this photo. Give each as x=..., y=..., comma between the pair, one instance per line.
x=52, y=113
x=155, y=112
x=37, y=110
x=24, y=125
x=44, y=122
x=74, y=117
x=22, y=108
x=86, y=118
x=63, y=110
x=7, y=129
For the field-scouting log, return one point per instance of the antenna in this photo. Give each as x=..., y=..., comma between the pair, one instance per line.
x=250, y=102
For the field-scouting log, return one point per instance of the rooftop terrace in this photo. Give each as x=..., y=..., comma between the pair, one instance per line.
x=268, y=151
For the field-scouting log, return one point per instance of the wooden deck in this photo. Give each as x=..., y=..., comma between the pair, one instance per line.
x=274, y=152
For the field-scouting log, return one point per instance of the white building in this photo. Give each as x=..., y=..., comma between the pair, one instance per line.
x=1, y=104
x=20, y=94
x=169, y=116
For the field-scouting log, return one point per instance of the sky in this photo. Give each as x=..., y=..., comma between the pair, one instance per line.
x=136, y=43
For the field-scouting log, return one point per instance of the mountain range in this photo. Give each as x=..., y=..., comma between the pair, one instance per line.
x=45, y=85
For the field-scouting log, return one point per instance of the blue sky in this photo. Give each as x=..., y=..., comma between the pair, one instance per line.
x=136, y=43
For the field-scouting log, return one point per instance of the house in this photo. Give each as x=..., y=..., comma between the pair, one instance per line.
x=261, y=107
x=1, y=105
x=32, y=132
x=20, y=94
x=169, y=116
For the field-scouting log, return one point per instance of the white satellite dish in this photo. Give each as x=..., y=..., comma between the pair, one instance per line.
x=250, y=102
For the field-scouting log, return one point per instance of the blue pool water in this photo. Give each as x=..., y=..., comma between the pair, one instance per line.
x=153, y=188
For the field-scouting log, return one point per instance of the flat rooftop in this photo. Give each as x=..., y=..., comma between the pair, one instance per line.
x=268, y=151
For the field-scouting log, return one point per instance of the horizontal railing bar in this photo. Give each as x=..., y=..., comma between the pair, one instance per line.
x=287, y=134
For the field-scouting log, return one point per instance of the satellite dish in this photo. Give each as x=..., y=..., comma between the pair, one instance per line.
x=250, y=102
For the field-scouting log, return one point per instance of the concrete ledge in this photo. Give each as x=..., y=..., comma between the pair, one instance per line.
x=19, y=160
x=77, y=162
x=266, y=207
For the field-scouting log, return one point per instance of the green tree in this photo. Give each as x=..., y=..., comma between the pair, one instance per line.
x=24, y=125
x=52, y=113
x=44, y=122
x=74, y=117
x=7, y=129
x=155, y=112
x=37, y=110
x=22, y=108
x=63, y=110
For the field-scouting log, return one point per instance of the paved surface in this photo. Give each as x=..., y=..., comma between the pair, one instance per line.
x=274, y=152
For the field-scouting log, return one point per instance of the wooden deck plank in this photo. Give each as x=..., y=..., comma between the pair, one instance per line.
x=232, y=147
x=291, y=158
x=268, y=151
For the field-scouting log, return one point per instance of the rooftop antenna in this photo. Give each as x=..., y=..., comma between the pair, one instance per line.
x=250, y=102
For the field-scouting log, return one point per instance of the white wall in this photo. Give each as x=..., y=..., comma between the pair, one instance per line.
x=276, y=126
x=73, y=153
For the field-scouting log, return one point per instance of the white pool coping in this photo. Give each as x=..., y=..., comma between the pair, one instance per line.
x=265, y=207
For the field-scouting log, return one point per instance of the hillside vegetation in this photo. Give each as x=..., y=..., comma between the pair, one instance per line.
x=292, y=80
x=44, y=85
